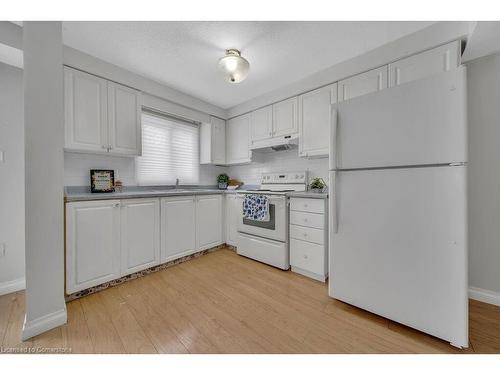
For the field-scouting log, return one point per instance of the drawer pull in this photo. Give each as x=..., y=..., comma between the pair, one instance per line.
x=305, y=256
x=305, y=234
x=305, y=220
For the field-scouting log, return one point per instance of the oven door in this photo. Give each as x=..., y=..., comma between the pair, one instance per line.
x=276, y=228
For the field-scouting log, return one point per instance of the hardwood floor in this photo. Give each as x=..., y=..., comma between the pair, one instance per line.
x=224, y=303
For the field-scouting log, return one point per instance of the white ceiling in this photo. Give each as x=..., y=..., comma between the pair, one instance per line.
x=183, y=55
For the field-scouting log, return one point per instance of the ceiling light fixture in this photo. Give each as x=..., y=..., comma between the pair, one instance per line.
x=233, y=67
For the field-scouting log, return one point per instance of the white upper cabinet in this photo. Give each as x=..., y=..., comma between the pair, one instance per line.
x=364, y=83
x=315, y=121
x=238, y=140
x=277, y=120
x=85, y=112
x=140, y=234
x=219, y=140
x=208, y=221
x=100, y=116
x=436, y=60
x=213, y=142
x=285, y=115
x=261, y=124
x=124, y=111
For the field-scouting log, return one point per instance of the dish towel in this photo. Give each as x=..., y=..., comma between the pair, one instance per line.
x=256, y=207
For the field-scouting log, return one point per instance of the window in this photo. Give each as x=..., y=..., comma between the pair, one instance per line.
x=170, y=150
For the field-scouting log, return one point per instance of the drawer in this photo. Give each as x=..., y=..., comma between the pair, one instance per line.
x=307, y=219
x=307, y=234
x=307, y=205
x=307, y=256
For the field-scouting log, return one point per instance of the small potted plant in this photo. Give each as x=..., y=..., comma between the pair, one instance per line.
x=317, y=185
x=222, y=180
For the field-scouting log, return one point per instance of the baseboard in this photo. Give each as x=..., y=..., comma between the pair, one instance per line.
x=12, y=286
x=44, y=323
x=484, y=295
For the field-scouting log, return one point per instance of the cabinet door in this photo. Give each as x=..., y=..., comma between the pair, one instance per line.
x=208, y=221
x=233, y=214
x=140, y=234
x=285, y=117
x=206, y=144
x=315, y=120
x=364, y=83
x=178, y=226
x=261, y=124
x=124, y=117
x=237, y=140
x=85, y=112
x=218, y=140
x=92, y=243
x=434, y=61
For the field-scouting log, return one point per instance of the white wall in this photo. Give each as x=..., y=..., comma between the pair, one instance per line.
x=11, y=179
x=77, y=167
x=484, y=173
x=280, y=161
x=44, y=165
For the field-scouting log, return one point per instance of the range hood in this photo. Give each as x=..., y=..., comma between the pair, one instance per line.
x=286, y=142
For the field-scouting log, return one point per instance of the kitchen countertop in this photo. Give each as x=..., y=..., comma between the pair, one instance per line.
x=82, y=193
x=307, y=194
x=78, y=193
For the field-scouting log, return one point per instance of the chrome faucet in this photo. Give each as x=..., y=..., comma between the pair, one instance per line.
x=177, y=183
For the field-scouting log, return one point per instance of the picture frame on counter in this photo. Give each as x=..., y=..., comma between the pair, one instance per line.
x=102, y=180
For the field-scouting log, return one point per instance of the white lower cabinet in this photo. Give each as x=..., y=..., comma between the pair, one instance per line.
x=308, y=237
x=178, y=222
x=92, y=243
x=140, y=234
x=233, y=215
x=107, y=239
x=208, y=221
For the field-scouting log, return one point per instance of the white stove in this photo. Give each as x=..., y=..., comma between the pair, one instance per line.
x=267, y=241
x=274, y=183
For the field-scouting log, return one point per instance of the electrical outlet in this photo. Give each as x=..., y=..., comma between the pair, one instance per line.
x=2, y=249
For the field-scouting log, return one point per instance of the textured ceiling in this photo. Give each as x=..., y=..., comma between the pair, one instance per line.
x=184, y=55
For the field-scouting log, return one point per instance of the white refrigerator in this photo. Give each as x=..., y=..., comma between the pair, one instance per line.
x=398, y=208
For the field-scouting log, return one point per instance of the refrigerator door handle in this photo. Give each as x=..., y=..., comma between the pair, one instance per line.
x=332, y=157
x=333, y=204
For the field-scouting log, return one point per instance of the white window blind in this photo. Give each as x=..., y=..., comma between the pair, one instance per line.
x=170, y=150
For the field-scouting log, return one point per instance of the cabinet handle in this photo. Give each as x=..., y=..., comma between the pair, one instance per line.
x=305, y=234
x=116, y=205
x=104, y=147
x=305, y=256
x=305, y=220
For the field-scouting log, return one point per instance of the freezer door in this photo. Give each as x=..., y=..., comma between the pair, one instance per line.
x=420, y=122
x=399, y=248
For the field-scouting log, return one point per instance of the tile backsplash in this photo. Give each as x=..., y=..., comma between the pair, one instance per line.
x=280, y=161
x=78, y=165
